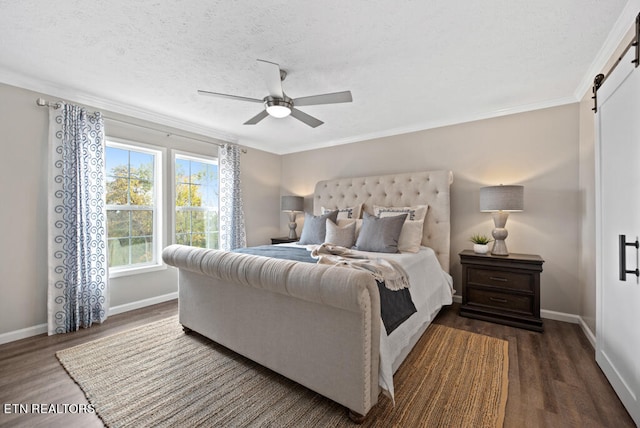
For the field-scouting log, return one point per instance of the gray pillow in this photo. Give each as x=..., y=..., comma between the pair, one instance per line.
x=314, y=228
x=380, y=235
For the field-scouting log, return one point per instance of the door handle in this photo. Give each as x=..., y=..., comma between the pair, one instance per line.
x=622, y=246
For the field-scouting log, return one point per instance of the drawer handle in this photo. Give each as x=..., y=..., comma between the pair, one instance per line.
x=498, y=278
x=497, y=299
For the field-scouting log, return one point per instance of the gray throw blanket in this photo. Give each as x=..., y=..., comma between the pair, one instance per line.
x=391, y=273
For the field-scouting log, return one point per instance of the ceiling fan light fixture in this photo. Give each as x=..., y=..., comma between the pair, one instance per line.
x=278, y=111
x=278, y=107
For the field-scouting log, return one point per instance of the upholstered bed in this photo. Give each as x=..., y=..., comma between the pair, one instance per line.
x=318, y=324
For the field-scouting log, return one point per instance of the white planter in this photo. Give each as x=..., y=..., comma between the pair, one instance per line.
x=480, y=248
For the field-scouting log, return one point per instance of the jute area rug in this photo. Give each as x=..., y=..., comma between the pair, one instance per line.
x=156, y=376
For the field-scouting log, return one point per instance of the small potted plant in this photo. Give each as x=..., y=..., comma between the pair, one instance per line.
x=480, y=243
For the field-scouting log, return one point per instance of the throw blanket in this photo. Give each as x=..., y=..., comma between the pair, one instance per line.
x=391, y=273
x=395, y=306
x=279, y=252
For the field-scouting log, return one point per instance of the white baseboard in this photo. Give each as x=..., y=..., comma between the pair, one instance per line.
x=573, y=319
x=23, y=333
x=142, y=303
x=591, y=337
x=12, y=336
x=558, y=316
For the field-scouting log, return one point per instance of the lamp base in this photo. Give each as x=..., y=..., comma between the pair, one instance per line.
x=500, y=234
x=499, y=248
x=292, y=226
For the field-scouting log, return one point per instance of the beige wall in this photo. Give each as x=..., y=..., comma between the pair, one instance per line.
x=23, y=192
x=587, y=256
x=23, y=184
x=538, y=149
x=551, y=152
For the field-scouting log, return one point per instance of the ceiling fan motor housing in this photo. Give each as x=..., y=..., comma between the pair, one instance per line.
x=278, y=107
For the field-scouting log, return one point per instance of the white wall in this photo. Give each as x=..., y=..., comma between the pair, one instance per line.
x=23, y=190
x=538, y=149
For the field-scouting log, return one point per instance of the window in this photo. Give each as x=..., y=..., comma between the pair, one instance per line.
x=196, y=201
x=133, y=200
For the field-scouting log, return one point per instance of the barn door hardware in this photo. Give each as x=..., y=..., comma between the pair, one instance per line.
x=636, y=42
x=623, y=244
x=597, y=82
x=600, y=78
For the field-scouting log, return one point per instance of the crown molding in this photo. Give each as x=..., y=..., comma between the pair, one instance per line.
x=424, y=126
x=50, y=89
x=622, y=25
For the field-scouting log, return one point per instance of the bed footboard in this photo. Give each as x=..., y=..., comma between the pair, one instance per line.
x=315, y=324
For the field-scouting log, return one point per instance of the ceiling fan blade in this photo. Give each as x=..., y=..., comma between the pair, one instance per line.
x=333, y=98
x=272, y=77
x=304, y=117
x=257, y=118
x=233, y=97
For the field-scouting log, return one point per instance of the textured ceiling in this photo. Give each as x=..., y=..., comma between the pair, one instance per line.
x=410, y=65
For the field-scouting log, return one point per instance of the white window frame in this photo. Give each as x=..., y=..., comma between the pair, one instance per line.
x=158, y=178
x=198, y=157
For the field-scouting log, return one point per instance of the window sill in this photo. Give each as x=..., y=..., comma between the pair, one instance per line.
x=136, y=270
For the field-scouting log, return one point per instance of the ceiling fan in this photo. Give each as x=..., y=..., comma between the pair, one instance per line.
x=279, y=105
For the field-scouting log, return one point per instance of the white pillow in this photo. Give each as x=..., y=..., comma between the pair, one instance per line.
x=411, y=234
x=357, y=222
x=345, y=213
x=417, y=213
x=343, y=236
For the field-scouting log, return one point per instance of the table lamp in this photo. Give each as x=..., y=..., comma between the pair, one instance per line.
x=500, y=200
x=292, y=205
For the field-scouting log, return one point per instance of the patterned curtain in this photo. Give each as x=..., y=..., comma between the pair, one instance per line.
x=78, y=272
x=232, y=233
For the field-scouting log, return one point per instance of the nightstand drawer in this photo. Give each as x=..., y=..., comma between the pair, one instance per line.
x=503, y=279
x=283, y=240
x=494, y=299
x=504, y=289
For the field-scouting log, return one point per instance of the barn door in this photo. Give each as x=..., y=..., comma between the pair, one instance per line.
x=618, y=231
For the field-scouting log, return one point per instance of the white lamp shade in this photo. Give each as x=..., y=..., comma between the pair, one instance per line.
x=502, y=198
x=292, y=203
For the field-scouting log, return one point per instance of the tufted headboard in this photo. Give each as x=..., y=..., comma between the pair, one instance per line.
x=407, y=189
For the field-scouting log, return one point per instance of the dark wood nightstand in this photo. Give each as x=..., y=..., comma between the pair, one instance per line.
x=283, y=240
x=502, y=289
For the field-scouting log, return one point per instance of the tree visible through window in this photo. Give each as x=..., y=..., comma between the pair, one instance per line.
x=131, y=205
x=196, y=190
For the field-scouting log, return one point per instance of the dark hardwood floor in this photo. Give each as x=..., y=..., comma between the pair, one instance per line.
x=553, y=378
x=30, y=372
